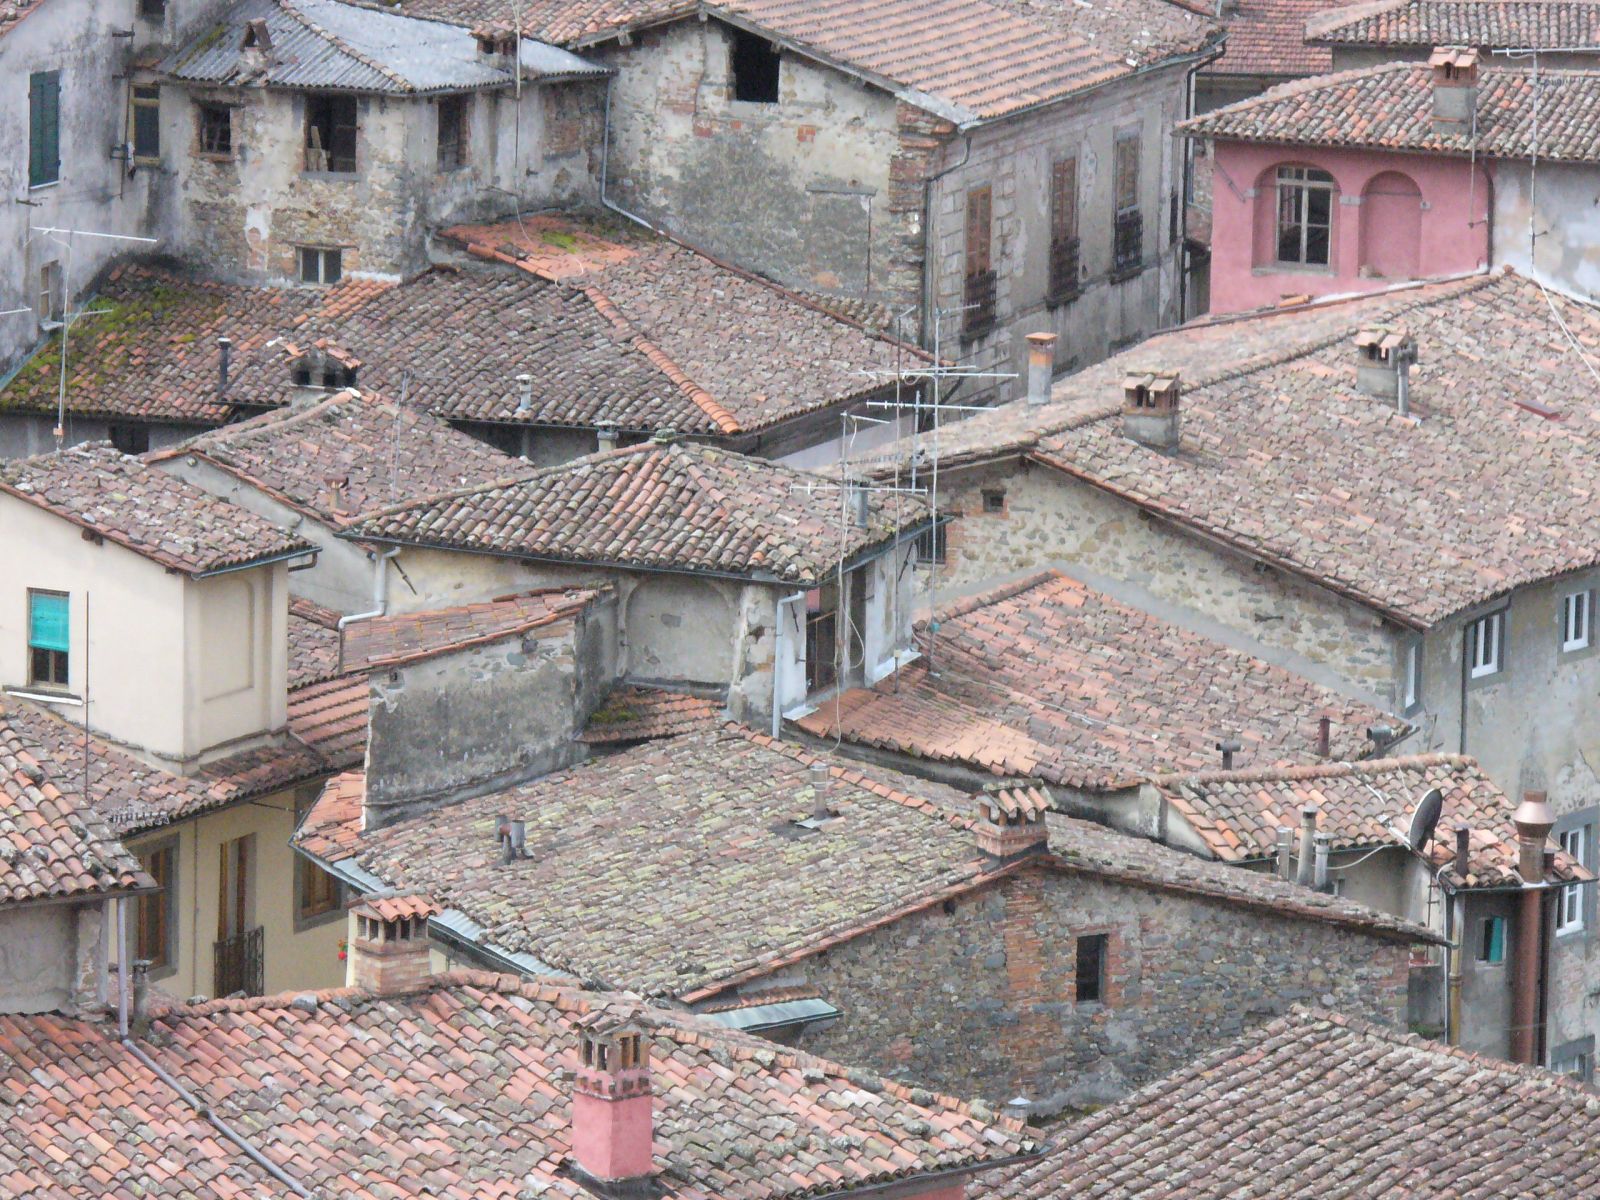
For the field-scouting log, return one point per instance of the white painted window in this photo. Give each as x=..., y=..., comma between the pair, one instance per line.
x=1413, y=672
x=1305, y=215
x=1569, y=902
x=1484, y=638
x=1575, y=621
x=321, y=265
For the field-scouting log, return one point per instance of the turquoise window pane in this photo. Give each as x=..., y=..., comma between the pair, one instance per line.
x=47, y=621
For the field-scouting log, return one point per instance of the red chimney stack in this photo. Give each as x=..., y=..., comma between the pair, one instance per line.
x=613, y=1123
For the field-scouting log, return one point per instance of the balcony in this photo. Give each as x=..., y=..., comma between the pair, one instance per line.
x=977, y=301
x=1127, y=248
x=238, y=966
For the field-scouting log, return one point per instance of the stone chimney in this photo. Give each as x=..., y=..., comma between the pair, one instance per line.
x=1150, y=409
x=1305, y=873
x=389, y=948
x=1533, y=822
x=1041, y=366
x=613, y=1121
x=1454, y=80
x=1010, y=823
x=1384, y=358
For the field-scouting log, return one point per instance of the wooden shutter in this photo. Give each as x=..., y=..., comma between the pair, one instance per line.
x=1064, y=200
x=44, y=128
x=980, y=208
x=1127, y=172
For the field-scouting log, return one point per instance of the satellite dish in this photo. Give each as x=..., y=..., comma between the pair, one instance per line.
x=1425, y=819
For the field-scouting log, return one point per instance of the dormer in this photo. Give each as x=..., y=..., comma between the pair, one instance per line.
x=324, y=368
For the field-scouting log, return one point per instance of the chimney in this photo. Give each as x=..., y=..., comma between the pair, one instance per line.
x=337, y=494
x=1041, y=366
x=606, y=437
x=613, y=1122
x=1229, y=748
x=1011, y=823
x=389, y=953
x=1322, y=845
x=224, y=354
x=141, y=997
x=1533, y=822
x=1308, y=834
x=1454, y=72
x=821, y=778
x=1384, y=358
x=1150, y=409
x=1463, y=861
x=513, y=835
x=1324, y=736
x=1285, y=853
x=860, y=504
x=524, y=393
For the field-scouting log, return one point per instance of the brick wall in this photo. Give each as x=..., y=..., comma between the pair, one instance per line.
x=977, y=997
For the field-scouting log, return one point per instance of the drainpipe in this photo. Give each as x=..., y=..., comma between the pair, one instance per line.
x=930, y=271
x=778, y=659
x=380, y=576
x=605, y=167
x=1455, y=925
x=1533, y=822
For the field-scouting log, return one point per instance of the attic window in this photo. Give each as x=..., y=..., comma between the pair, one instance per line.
x=331, y=134
x=754, y=63
x=320, y=264
x=256, y=36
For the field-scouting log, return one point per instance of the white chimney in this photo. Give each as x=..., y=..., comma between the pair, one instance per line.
x=1041, y=366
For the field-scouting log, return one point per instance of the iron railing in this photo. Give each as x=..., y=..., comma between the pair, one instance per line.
x=978, y=299
x=1127, y=250
x=238, y=964
x=1063, y=270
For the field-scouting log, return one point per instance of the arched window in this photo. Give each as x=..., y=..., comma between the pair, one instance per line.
x=1304, y=216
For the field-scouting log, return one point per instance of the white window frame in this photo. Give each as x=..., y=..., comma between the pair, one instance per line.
x=319, y=255
x=1577, y=617
x=1295, y=187
x=1412, y=682
x=1485, y=645
x=1569, y=900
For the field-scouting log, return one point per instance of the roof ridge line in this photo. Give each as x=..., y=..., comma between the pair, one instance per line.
x=292, y=8
x=1001, y=593
x=1331, y=769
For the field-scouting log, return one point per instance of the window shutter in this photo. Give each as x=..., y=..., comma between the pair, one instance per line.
x=47, y=622
x=44, y=128
x=1064, y=199
x=979, y=206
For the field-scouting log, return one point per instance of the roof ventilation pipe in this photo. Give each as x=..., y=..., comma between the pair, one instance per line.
x=1041, y=366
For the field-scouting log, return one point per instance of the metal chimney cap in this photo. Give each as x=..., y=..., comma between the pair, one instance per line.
x=1533, y=818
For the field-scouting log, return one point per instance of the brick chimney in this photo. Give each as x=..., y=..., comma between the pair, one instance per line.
x=1454, y=80
x=1384, y=357
x=613, y=1122
x=389, y=948
x=1150, y=409
x=1041, y=366
x=1011, y=822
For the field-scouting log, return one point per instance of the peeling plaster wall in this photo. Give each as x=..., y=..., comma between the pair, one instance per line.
x=51, y=958
x=1565, y=202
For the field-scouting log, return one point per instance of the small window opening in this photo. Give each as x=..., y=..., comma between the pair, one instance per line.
x=130, y=439
x=755, y=64
x=48, y=638
x=321, y=265
x=994, y=500
x=216, y=129
x=331, y=134
x=1575, y=621
x=930, y=546
x=1483, y=645
x=52, y=303
x=1569, y=900
x=153, y=10
x=1091, y=968
x=146, y=119
x=1492, y=940
x=452, y=152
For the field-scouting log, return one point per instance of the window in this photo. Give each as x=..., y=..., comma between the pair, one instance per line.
x=216, y=130
x=978, y=296
x=321, y=265
x=452, y=112
x=1569, y=901
x=317, y=893
x=755, y=64
x=153, y=10
x=1091, y=968
x=1063, y=229
x=1413, y=675
x=146, y=120
x=1492, y=940
x=1575, y=1059
x=1127, y=251
x=1575, y=621
x=994, y=500
x=1483, y=645
x=155, y=929
x=822, y=637
x=44, y=128
x=331, y=134
x=51, y=303
x=930, y=545
x=48, y=637
x=131, y=439
x=1305, y=215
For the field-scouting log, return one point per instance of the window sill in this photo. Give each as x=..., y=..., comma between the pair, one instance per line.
x=44, y=694
x=1574, y=932
x=1293, y=269
x=214, y=156
x=332, y=176
x=39, y=187
x=1123, y=274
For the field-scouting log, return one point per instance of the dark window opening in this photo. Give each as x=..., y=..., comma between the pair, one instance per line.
x=994, y=500
x=1492, y=940
x=331, y=134
x=978, y=291
x=216, y=129
x=155, y=10
x=153, y=921
x=1127, y=250
x=452, y=112
x=822, y=637
x=48, y=638
x=755, y=64
x=930, y=546
x=321, y=265
x=131, y=439
x=44, y=128
x=325, y=377
x=146, y=122
x=1091, y=968
x=1063, y=230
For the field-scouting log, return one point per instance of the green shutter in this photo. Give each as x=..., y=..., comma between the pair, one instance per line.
x=44, y=128
x=47, y=621
x=1497, y=939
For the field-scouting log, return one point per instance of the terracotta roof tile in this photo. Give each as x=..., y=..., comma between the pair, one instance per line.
x=52, y=844
x=637, y=714
x=1390, y=107
x=313, y=635
x=1047, y=677
x=395, y=906
x=1268, y=37
x=330, y=717
x=12, y=11
x=407, y=637
x=460, y=1091
x=1484, y=24
x=1388, y=1114
x=680, y=507
x=148, y=511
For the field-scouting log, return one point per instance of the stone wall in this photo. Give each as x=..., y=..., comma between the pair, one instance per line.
x=977, y=996
x=50, y=958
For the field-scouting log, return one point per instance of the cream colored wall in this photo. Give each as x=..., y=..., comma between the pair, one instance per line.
x=292, y=961
x=238, y=656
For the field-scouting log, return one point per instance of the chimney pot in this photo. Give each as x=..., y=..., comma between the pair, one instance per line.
x=141, y=997
x=1534, y=823
x=1308, y=833
x=1322, y=844
x=1454, y=81
x=1011, y=823
x=1384, y=358
x=821, y=777
x=1463, y=850
x=613, y=1119
x=1150, y=414
x=524, y=393
x=224, y=355
x=1041, y=366
x=1285, y=853
x=1324, y=737
x=606, y=437
x=1229, y=748
x=388, y=940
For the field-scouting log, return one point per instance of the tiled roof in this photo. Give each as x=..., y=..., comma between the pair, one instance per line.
x=710, y=843
x=1268, y=37
x=1485, y=24
x=1483, y=488
x=374, y=451
x=330, y=717
x=313, y=642
x=650, y=293
x=407, y=637
x=637, y=714
x=1390, y=107
x=397, y=906
x=678, y=507
x=965, y=60
x=345, y=47
x=53, y=845
x=1238, y=813
x=148, y=511
x=459, y=1091
x=1317, y=1105
x=12, y=11
x=1047, y=677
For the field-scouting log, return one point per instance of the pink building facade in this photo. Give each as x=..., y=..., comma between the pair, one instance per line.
x=1302, y=220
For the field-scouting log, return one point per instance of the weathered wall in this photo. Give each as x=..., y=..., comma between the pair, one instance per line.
x=977, y=997
x=50, y=957
x=25, y=434
x=1565, y=212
